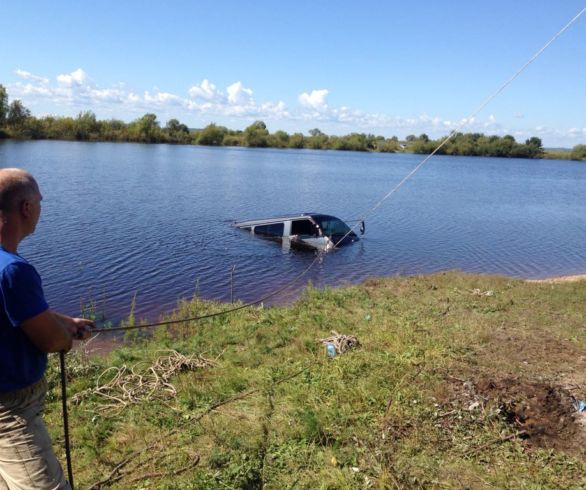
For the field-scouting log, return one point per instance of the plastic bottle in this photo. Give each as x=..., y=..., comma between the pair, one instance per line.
x=331, y=349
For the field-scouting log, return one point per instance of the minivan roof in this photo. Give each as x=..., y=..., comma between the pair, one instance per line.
x=278, y=219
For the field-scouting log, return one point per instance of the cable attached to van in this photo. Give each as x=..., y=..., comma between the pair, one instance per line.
x=318, y=255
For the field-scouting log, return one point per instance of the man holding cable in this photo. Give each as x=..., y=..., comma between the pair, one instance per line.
x=28, y=331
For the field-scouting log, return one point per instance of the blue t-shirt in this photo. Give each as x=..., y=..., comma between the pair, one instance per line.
x=21, y=298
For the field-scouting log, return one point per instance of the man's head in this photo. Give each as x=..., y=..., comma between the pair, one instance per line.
x=20, y=200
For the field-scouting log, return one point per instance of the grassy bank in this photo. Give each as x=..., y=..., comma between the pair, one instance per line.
x=459, y=382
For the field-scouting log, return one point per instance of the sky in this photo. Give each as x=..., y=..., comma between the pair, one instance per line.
x=384, y=67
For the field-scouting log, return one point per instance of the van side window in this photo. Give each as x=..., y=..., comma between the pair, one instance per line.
x=274, y=230
x=303, y=227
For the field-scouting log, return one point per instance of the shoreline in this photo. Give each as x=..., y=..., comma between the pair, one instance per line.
x=292, y=297
x=106, y=345
x=559, y=279
x=561, y=156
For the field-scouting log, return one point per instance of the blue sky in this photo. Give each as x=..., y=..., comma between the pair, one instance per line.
x=384, y=67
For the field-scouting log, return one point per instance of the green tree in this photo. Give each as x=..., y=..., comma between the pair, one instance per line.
x=17, y=115
x=86, y=126
x=535, y=147
x=256, y=135
x=296, y=140
x=175, y=129
x=421, y=144
x=233, y=138
x=33, y=128
x=317, y=140
x=579, y=152
x=280, y=139
x=3, y=105
x=114, y=130
x=145, y=129
x=211, y=135
x=316, y=132
x=389, y=145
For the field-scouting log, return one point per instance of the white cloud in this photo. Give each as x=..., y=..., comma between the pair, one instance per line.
x=75, y=78
x=577, y=132
x=239, y=95
x=205, y=102
x=315, y=100
x=108, y=95
x=237, y=101
x=206, y=91
x=162, y=99
x=29, y=89
x=133, y=98
x=29, y=76
x=277, y=111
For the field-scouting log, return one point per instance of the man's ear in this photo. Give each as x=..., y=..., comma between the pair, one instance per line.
x=25, y=208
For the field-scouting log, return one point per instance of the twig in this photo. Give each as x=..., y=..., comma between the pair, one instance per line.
x=115, y=474
x=400, y=383
x=451, y=412
x=159, y=474
x=499, y=440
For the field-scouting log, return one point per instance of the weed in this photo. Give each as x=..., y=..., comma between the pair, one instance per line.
x=445, y=389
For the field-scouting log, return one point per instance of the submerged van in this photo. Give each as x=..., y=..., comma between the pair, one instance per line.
x=313, y=230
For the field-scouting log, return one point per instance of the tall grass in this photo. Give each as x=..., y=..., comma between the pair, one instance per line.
x=277, y=412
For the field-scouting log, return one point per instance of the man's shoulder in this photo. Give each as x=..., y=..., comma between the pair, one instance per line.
x=13, y=264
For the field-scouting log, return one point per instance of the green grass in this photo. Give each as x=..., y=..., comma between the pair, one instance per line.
x=392, y=413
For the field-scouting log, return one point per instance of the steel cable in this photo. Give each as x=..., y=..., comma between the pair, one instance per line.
x=371, y=210
x=318, y=255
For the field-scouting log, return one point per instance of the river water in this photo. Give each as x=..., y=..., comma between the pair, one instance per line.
x=153, y=221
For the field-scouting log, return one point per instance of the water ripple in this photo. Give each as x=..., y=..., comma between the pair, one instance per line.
x=124, y=219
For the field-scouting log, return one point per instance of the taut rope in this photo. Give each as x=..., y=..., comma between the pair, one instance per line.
x=319, y=254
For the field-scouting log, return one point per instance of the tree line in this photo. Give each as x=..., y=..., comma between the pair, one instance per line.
x=16, y=121
x=477, y=144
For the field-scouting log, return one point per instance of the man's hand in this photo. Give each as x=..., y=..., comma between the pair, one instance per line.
x=53, y=332
x=80, y=328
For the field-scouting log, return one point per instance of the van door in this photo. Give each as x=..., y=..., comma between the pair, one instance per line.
x=304, y=228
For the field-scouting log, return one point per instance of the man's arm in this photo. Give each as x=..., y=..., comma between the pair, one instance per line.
x=54, y=332
x=47, y=332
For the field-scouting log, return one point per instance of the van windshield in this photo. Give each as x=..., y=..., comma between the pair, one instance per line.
x=332, y=226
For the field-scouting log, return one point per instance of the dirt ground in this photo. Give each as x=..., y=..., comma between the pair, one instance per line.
x=534, y=383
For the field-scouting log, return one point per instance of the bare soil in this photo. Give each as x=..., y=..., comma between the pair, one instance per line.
x=544, y=413
x=533, y=382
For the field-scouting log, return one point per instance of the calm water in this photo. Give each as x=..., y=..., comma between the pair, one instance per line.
x=154, y=220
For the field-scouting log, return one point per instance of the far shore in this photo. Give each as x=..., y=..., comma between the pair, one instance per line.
x=561, y=279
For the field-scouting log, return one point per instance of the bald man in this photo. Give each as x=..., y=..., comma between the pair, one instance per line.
x=28, y=331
